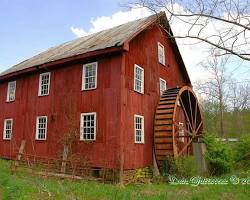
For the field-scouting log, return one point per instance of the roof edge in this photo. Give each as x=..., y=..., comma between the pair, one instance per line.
x=109, y=50
x=159, y=17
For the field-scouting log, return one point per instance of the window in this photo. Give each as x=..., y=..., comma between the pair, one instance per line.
x=161, y=53
x=89, y=81
x=163, y=85
x=7, y=129
x=11, y=92
x=41, y=127
x=88, y=126
x=138, y=79
x=181, y=132
x=44, y=83
x=139, y=128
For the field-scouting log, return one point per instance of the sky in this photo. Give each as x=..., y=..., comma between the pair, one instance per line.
x=32, y=26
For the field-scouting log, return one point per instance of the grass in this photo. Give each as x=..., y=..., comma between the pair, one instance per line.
x=23, y=186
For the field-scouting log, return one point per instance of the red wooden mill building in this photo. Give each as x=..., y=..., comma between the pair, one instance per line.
x=124, y=92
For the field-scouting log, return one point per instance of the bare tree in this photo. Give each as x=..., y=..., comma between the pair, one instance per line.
x=224, y=24
x=239, y=101
x=214, y=88
x=239, y=98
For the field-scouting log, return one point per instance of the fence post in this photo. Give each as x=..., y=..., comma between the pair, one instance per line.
x=65, y=157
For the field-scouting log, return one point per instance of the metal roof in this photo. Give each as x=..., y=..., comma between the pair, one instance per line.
x=104, y=39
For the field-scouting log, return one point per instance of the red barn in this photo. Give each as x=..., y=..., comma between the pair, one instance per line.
x=124, y=92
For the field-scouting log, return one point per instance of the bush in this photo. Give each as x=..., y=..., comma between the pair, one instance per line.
x=219, y=156
x=242, y=152
x=184, y=166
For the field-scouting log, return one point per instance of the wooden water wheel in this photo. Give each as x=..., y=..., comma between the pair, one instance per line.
x=178, y=122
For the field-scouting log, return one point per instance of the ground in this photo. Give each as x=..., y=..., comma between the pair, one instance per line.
x=23, y=185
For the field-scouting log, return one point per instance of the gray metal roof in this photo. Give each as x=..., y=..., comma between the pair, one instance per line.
x=108, y=38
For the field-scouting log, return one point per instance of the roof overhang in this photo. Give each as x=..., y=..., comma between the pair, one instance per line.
x=53, y=64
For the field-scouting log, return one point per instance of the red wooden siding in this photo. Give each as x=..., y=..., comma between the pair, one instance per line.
x=144, y=52
x=66, y=97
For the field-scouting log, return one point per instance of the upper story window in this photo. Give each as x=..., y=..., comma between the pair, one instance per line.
x=41, y=127
x=89, y=80
x=161, y=53
x=88, y=126
x=11, y=92
x=138, y=79
x=139, y=128
x=163, y=85
x=44, y=84
x=7, y=133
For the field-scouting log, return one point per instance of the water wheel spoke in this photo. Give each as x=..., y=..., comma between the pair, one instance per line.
x=190, y=108
x=185, y=113
x=198, y=128
x=183, y=136
x=185, y=130
x=195, y=116
x=185, y=147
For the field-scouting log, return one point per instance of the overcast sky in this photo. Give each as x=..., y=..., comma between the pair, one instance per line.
x=31, y=26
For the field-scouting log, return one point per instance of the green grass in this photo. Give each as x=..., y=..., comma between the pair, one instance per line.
x=23, y=185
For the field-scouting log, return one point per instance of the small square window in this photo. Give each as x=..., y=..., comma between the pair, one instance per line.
x=41, y=127
x=138, y=79
x=88, y=126
x=7, y=134
x=44, y=84
x=163, y=85
x=161, y=53
x=11, y=92
x=139, y=128
x=89, y=80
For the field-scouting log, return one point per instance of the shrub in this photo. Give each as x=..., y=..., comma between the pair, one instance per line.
x=219, y=156
x=184, y=166
x=169, y=166
x=242, y=152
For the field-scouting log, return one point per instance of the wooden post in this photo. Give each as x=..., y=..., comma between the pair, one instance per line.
x=19, y=156
x=156, y=171
x=199, y=150
x=121, y=168
x=21, y=149
x=65, y=157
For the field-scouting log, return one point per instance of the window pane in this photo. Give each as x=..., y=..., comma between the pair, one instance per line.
x=44, y=84
x=7, y=129
x=90, y=76
x=11, y=91
x=138, y=79
x=139, y=129
x=41, y=127
x=88, y=126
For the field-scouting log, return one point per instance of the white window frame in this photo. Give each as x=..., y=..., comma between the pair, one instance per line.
x=84, y=77
x=82, y=126
x=37, y=127
x=142, y=129
x=5, y=129
x=163, y=54
x=40, y=84
x=142, y=79
x=8, y=99
x=181, y=132
x=165, y=85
